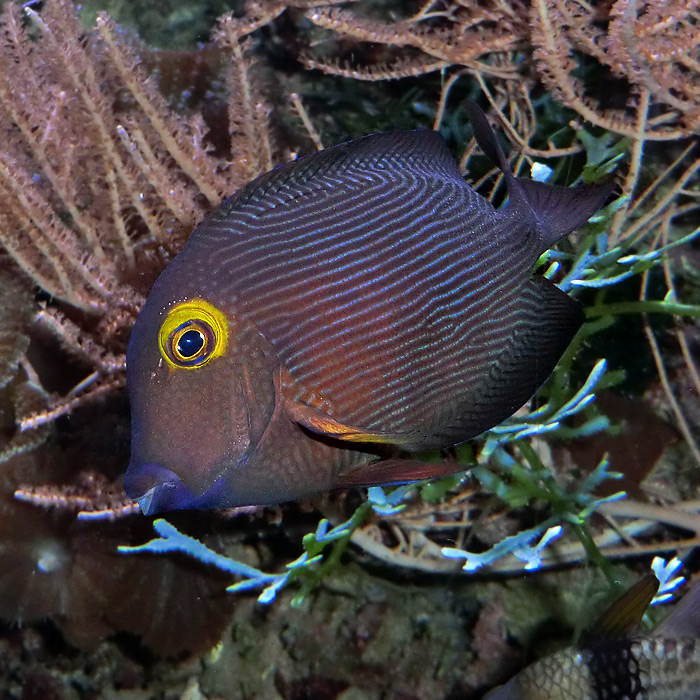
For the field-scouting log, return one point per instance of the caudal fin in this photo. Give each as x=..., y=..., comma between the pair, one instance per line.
x=560, y=210
x=555, y=211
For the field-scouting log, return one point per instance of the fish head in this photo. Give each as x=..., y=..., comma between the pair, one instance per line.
x=194, y=410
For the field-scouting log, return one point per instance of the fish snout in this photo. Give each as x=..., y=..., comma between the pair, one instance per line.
x=157, y=489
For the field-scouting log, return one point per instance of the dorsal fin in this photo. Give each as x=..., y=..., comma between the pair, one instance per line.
x=402, y=152
x=555, y=211
x=621, y=617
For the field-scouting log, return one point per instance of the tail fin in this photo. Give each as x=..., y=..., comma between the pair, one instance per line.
x=555, y=211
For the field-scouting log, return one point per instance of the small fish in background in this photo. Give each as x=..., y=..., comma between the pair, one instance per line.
x=612, y=662
x=339, y=313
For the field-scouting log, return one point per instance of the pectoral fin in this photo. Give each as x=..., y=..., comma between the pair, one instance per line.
x=312, y=411
x=319, y=422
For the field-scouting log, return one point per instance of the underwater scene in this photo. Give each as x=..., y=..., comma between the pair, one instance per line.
x=349, y=350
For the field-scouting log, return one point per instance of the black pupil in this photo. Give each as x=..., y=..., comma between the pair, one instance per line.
x=190, y=343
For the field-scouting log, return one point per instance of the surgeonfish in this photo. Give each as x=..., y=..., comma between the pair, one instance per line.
x=339, y=314
x=614, y=663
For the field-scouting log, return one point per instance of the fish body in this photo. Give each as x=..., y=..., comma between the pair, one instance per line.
x=645, y=668
x=663, y=665
x=338, y=313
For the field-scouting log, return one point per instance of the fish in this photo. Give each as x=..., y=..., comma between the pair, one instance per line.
x=339, y=315
x=615, y=662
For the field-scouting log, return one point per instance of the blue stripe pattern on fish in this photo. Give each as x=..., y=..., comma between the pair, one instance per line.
x=370, y=304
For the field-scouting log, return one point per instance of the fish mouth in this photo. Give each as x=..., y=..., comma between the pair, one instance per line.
x=157, y=489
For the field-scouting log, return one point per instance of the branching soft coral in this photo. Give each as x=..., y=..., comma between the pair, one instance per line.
x=654, y=46
x=440, y=35
x=101, y=180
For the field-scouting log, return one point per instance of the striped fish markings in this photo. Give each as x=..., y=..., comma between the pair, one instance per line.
x=339, y=313
x=613, y=663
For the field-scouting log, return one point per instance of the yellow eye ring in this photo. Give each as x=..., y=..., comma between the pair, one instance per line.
x=193, y=333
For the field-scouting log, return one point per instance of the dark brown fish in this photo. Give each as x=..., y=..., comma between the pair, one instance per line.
x=618, y=665
x=339, y=312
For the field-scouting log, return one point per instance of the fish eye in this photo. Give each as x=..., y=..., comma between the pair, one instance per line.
x=192, y=333
x=190, y=343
